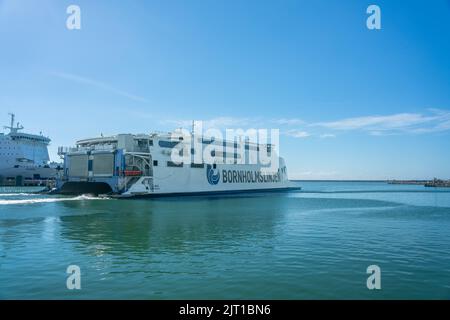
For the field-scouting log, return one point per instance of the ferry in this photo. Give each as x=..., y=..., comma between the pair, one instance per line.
x=141, y=165
x=24, y=159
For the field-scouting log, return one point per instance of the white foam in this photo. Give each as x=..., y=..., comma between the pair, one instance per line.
x=18, y=194
x=49, y=200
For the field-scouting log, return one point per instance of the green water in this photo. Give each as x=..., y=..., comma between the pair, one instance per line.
x=314, y=244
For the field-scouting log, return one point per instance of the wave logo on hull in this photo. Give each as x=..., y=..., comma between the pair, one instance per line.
x=213, y=178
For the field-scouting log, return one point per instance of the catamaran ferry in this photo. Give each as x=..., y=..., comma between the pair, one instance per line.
x=129, y=165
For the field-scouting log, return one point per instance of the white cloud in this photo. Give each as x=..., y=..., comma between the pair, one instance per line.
x=435, y=120
x=98, y=84
x=218, y=122
x=236, y=122
x=289, y=122
x=297, y=133
x=327, y=135
x=392, y=121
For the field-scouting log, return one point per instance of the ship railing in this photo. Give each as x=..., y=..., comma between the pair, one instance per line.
x=63, y=150
x=103, y=147
x=141, y=149
x=132, y=173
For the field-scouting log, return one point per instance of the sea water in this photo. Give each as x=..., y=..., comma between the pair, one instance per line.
x=316, y=243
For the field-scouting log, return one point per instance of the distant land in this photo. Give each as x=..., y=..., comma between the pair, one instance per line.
x=427, y=183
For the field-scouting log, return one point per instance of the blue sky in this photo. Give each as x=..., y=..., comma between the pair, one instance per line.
x=351, y=103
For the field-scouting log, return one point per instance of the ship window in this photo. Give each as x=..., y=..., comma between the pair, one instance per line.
x=207, y=141
x=167, y=144
x=141, y=143
x=155, y=163
x=252, y=147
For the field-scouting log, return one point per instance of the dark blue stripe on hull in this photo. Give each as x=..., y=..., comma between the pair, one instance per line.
x=211, y=193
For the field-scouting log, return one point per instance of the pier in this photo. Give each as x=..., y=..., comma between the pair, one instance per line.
x=438, y=183
x=427, y=183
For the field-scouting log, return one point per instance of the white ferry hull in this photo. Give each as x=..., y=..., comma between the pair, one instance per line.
x=229, y=179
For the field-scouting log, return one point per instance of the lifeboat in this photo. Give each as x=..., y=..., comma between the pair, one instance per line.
x=132, y=173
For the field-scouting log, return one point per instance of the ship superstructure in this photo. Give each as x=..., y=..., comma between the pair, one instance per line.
x=24, y=158
x=128, y=165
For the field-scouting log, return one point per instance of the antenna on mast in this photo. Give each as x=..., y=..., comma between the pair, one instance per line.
x=11, y=127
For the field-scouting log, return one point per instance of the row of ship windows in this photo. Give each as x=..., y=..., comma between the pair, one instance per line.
x=221, y=154
x=28, y=138
x=171, y=144
x=176, y=165
x=218, y=154
x=173, y=164
x=196, y=165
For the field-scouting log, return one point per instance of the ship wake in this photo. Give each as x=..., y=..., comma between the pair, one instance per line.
x=18, y=194
x=49, y=200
